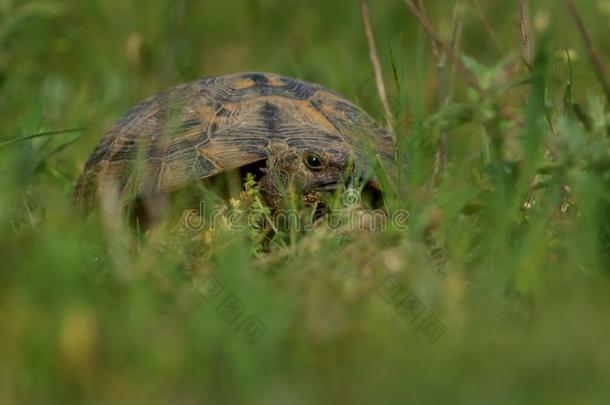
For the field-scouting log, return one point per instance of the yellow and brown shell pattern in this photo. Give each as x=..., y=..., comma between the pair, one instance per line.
x=202, y=128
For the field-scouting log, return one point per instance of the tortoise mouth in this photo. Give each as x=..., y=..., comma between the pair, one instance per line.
x=335, y=185
x=325, y=186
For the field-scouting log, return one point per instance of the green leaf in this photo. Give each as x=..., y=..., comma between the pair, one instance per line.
x=41, y=135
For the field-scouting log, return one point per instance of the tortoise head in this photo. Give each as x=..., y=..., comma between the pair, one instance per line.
x=309, y=172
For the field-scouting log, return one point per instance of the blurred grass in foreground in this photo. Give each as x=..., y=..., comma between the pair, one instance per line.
x=509, y=250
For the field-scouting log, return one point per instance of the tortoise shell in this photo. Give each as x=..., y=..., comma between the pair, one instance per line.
x=202, y=128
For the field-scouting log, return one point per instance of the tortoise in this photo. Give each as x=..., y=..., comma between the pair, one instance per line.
x=305, y=134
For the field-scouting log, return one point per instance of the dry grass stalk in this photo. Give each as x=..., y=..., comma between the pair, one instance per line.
x=524, y=31
x=453, y=57
x=370, y=39
x=441, y=52
x=598, y=66
x=459, y=11
x=486, y=26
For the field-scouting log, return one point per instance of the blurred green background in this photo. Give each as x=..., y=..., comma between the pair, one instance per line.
x=508, y=250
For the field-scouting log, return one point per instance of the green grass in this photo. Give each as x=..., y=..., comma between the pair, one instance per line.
x=509, y=250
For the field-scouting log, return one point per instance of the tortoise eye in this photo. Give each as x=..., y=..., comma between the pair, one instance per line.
x=313, y=161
